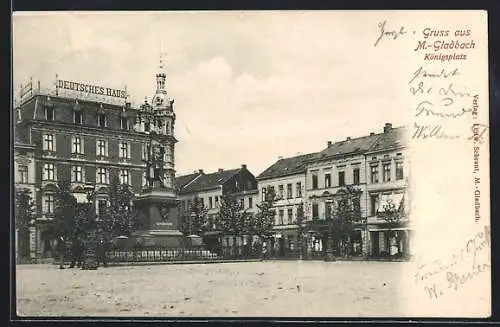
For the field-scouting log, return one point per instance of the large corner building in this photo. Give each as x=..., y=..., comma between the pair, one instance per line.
x=62, y=135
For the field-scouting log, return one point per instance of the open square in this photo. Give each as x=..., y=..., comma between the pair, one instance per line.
x=251, y=289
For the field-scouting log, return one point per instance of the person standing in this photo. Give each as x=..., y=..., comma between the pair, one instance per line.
x=61, y=251
x=76, y=252
x=102, y=248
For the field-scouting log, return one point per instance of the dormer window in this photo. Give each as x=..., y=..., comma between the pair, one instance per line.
x=49, y=113
x=124, y=123
x=101, y=120
x=77, y=117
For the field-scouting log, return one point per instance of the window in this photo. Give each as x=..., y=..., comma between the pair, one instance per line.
x=102, y=175
x=355, y=176
x=77, y=117
x=341, y=178
x=300, y=211
x=167, y=157
x=281, y=215
x=373, y=204
x=124, y=150
x=102, y=148
x=49, y=113
x=290, y=216
x=250, y=202
x=124, y=177
x=48, y=172
x=374, y=174
x=314, y=181
x=216, y=201
x=124, y=123
x=77, y=174
x=399, y=171
x=101, y=120
x=315, y=213
x=328, y=180
x=242, y=203
x=280, y=191
x=328, y=210
x=101, y=207
x=48, y=204
x=144, y=151
x=289, y=191
x=298, y=190
x=263, y=194
x=272, y=192
x=48, y=142
x=76, y=145
x=144, y=180
x=23, y=174
x=387, y=172
x=146, y=127
x=210, y=202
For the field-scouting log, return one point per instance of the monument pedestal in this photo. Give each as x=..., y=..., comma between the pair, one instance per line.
x=157, y=208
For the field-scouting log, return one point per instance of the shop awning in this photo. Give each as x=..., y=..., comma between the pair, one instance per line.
x=387, y=199
x=80, y=197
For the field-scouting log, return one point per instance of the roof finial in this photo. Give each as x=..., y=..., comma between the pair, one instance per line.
x=161, y=55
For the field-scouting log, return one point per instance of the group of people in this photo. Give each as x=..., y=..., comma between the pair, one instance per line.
x=82, y=252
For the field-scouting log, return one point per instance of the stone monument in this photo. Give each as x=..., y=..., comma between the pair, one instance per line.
x=157, y=205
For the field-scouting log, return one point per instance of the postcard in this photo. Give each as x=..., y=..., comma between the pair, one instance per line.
x=251, y=164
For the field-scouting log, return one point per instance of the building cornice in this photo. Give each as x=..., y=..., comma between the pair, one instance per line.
x=296, y=174
x=70, y=127
x=90, y=162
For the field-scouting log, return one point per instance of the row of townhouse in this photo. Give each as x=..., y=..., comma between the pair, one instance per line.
x=210, y=187
x=377, y=164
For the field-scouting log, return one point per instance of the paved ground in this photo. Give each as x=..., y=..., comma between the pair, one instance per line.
x=263, y=289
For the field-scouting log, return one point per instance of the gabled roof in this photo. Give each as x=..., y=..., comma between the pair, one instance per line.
x=396, y=137
x=209, y=181
x=350, y=146
x=287, y=166
x=181, y=181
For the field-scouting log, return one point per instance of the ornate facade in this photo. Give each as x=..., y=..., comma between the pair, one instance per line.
x=89, y=141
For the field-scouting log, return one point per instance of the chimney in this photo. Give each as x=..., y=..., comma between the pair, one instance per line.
x=244, y=166
x=348, y=138
x=329, y=143
x=371, y=134
x=387, y=127
x=200, y=171
x=220, y=170
x=280, y=157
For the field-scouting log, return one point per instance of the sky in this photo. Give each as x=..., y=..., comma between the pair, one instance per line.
x=249, y=87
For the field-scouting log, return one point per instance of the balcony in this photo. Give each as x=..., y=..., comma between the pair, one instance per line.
x=77, y=156
x=49, y=153
x=391, y=185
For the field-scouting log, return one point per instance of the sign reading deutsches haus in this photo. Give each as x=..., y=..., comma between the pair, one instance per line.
x=91, y=89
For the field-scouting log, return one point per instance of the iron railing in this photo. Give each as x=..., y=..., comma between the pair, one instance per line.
x=168, y=254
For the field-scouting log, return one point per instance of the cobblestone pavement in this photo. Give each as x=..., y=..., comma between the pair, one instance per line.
x=249, y=289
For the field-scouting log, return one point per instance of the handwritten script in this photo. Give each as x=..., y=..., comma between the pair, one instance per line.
x=385, y=33
x=442, y=275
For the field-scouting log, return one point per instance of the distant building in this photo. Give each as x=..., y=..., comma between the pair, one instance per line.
x=209, y=187
x=24, y=175
x=375, y=164
x=287, y=177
